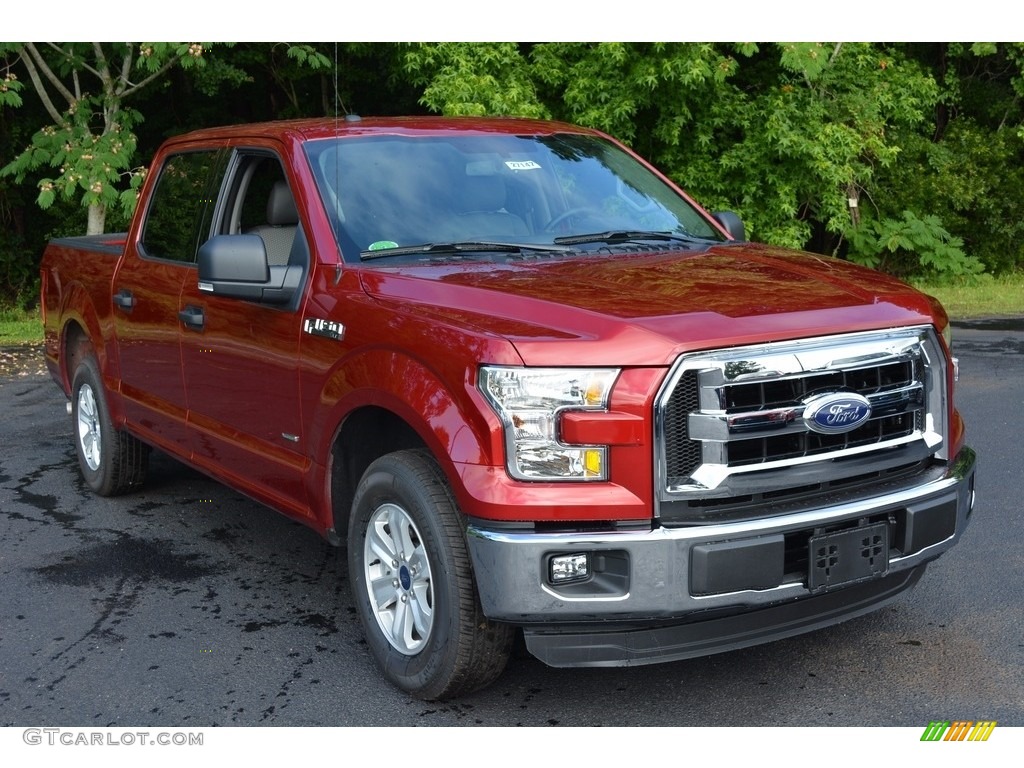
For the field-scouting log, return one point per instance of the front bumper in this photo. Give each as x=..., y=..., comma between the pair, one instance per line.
x=671, y=593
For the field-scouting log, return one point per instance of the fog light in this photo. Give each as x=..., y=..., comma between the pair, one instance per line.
x=566, y=568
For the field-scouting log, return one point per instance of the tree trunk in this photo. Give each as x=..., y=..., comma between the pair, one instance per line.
x=853, y=201
x=97, y=219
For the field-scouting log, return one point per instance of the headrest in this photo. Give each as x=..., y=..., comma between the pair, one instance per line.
x=281, y=210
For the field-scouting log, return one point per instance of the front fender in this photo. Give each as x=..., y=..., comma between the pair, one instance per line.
x=450, y=416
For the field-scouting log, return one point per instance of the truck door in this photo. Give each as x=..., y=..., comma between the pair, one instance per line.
x=146, y=290
x=240, y=358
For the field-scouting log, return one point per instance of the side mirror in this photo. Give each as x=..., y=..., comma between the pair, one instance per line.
x=236, y=266
x=732, y=224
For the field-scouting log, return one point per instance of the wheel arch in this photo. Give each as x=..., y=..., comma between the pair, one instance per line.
x=81, y=329
x=365, y=435
x=386, y=401
x=75, y=345
x=77, y=342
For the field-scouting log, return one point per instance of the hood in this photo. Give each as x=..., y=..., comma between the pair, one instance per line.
x=646, y=309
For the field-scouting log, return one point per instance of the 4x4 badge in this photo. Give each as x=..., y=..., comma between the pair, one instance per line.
x=329, y=329
x=836, y=412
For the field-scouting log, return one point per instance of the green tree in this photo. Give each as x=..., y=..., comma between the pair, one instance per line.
x=811, y=131
x=86, y=88
x=10, y=87
x=475, y=79
x=926, y=138
x=791, y=135
x=966, y=165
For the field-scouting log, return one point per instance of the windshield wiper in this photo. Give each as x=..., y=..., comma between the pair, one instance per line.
x=627, y=235
x=466, y=246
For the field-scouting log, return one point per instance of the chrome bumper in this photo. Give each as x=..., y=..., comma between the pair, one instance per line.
x=679, y=576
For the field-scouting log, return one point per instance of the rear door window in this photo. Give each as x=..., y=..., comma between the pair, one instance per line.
x=181, y=209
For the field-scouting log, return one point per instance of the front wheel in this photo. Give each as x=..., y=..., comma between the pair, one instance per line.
x=413, y=585
x=111, y=461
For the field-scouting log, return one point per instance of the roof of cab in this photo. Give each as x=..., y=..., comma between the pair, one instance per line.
x=327, y=127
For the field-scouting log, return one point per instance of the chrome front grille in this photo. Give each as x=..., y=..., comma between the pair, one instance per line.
x=733, y=424
x=682, y=455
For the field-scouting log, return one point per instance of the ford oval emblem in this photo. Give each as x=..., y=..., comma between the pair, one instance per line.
x=836, y=412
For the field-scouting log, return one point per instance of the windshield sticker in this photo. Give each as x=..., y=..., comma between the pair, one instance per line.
x=382, y=245
x=522, y=165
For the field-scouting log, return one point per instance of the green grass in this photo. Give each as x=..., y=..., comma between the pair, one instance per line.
x=19, y=326
x=980, y=297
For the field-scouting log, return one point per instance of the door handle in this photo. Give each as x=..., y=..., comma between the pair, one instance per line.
x=124, y=299
x=192, y=317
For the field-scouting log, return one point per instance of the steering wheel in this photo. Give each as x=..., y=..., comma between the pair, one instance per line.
x=566, y=215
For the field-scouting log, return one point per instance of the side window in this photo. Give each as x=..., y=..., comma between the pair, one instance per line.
x=260, y=202
x=181, y=210
x=261, y=175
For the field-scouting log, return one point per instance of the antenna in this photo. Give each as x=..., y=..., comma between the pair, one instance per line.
x=337, y=169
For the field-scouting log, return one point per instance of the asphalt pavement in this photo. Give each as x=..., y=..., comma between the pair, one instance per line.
x=186, y=604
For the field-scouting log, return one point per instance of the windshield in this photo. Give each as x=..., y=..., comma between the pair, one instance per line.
x=386, y=195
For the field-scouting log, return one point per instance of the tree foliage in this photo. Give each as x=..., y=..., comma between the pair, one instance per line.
x=812, y=143
x=911, y=245
x=468, y=79
x=90, y=144
x=905, y=156
x=86, y=89
x=789, y=134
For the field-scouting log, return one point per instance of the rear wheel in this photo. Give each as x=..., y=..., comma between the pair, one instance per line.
x=111, y=461
x=413, y=585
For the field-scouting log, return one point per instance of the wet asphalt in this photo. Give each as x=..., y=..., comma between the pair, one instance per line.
x=186, y=604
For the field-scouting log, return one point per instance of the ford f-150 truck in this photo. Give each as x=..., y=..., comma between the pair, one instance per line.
x=526, y=381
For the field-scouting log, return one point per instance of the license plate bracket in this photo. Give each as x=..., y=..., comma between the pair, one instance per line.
x=845, y=557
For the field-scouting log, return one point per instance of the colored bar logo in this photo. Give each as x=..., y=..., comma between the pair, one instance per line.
x=958, y=730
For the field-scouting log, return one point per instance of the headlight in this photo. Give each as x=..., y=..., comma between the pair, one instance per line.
x=530, y=401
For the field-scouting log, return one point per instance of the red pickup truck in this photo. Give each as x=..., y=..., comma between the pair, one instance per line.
x=525, y=380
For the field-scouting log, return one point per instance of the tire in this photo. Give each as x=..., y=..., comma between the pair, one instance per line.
x=111, y=461
x=413, y=585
